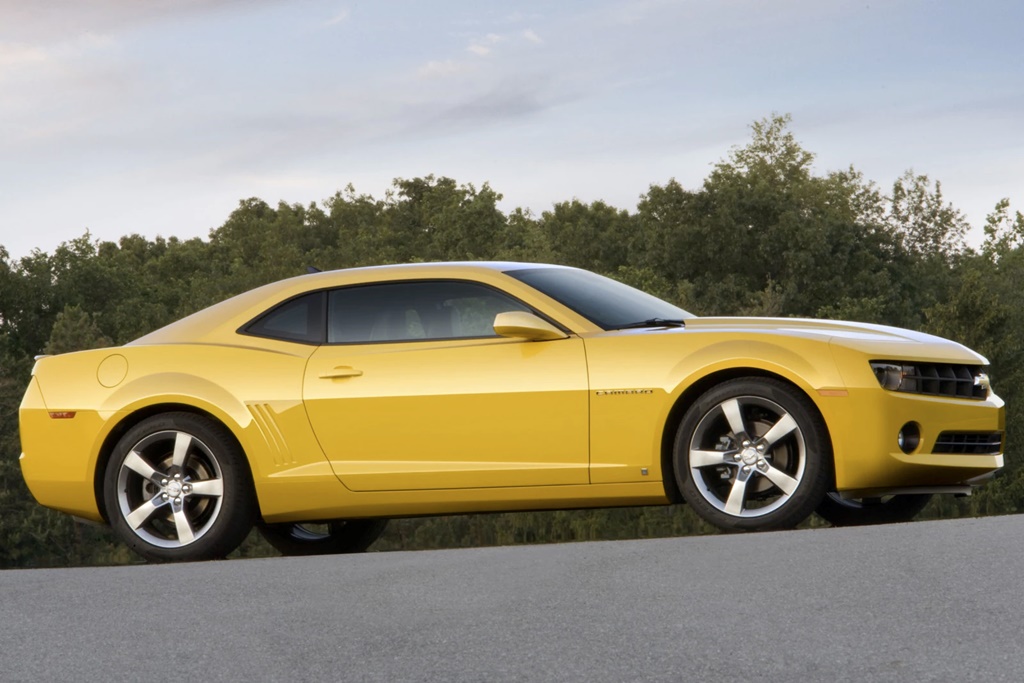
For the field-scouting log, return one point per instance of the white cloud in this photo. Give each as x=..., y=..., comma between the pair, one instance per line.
x=635, y=11
x=532, y=37
x=29, y=62
x=484, y=46
x=338, y=18
x=53, y=91
x=481, y=47
x=442, y=68
x=55, y=20
x=16, y=55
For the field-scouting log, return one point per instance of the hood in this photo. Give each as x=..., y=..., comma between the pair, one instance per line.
x=880, y=341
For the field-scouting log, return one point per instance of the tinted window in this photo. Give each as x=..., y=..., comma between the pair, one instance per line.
x=603, y=301
x=407, y=311
x=299, y=320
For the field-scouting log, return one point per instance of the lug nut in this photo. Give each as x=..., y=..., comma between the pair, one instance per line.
x=760, y=447
x=164, y=496
x=163, y=482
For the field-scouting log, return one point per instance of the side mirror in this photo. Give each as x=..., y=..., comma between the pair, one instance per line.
x=523, y=325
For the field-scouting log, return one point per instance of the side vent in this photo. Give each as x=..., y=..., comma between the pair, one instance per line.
x=263, y=416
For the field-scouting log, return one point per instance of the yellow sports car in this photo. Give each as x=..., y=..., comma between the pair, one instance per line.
x=319, y=406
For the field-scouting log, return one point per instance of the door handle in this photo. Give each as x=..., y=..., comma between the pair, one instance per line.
x=341, y=372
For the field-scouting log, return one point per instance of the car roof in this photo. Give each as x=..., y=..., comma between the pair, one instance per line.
x=210, y=324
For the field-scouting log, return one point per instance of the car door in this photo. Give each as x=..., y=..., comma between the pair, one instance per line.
x=414, y=390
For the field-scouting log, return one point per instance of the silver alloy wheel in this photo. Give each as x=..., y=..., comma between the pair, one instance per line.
x=170, y=489
x=747, y=456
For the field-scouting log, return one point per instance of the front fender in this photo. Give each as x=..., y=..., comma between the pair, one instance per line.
x=639, y=388
x=812, y=368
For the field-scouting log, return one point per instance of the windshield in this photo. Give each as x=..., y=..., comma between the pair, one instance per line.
x=603, y=301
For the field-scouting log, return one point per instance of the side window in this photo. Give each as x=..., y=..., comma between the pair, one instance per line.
x=408, y=311
x=298, y=320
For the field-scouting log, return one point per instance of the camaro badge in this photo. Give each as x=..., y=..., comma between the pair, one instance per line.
x=622, y=392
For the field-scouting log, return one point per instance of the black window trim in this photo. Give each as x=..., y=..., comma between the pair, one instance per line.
x=245, y=329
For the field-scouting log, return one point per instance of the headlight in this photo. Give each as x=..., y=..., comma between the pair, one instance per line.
x=892, y=376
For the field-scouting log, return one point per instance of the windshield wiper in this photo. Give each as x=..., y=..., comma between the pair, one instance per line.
x=652, y=322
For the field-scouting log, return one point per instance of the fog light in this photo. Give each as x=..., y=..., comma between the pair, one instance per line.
x=909, y=437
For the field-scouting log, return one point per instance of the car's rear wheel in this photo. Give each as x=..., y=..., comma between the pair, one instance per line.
x=178, y=488
x=329, y=538
x=839, y=511
x=753, y=454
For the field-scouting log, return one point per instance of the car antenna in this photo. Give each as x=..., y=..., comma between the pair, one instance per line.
x=313, y=269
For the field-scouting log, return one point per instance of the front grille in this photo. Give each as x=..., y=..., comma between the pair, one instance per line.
x=969, y=443
x=945, y=379
x=933, y=379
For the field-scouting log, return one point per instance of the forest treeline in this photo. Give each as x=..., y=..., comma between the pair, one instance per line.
x=765, y=234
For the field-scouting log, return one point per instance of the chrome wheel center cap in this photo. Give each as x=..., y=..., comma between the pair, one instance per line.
x=750, y=455
x=173, y=489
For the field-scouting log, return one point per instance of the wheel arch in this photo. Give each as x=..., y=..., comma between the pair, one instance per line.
x=130, y=420
x=693, y=392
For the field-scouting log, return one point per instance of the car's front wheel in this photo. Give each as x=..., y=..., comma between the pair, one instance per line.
x=753, y=454
x=178, y=488
x=330, y=538
x=839, y=511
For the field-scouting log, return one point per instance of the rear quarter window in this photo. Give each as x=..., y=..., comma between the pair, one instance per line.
x=298, y=320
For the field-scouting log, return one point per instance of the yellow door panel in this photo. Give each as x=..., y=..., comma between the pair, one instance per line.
x=451, y=414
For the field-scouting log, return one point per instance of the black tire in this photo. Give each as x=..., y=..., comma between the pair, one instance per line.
x=839, y=511
x=753, y=454
x=177, y=488
x=331, y=538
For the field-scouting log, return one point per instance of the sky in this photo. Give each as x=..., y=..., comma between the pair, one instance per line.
x=158, y=117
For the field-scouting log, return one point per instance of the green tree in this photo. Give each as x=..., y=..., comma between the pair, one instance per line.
x=436, y=219
x=524, y=239
x=1003, y=235
x=595, y=236
x=766, y=235
x=924, y=221
x=75, y=330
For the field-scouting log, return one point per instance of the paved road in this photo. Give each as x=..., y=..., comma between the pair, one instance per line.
x=940, y=601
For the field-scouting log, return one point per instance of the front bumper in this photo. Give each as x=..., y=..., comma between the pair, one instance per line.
x=866, y=421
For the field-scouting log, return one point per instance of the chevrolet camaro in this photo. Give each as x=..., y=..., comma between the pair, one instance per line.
x=320, y=406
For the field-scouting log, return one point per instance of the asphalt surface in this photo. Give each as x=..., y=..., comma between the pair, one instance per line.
x=928, y=601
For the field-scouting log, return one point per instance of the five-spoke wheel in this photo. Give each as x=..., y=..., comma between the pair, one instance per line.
x=329, y=538
x=752, y=454
x=177, y=487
